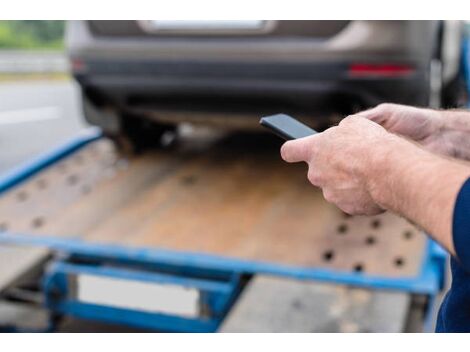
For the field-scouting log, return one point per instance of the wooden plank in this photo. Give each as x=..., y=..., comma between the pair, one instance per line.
x=271, y=304
x=235, y=198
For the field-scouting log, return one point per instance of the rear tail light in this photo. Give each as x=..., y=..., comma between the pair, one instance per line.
x=78, y=66
x=380, y=70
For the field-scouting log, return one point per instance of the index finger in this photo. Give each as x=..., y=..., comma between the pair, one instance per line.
x=297, y=150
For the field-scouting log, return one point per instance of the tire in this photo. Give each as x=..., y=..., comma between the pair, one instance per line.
x=131, y=132
x=453, y=93
x=140, y=133
x=453, y=87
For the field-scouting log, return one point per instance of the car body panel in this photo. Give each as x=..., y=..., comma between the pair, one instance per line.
x=297, y=67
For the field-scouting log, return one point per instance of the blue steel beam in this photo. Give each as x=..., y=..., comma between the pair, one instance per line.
x=428, y=281
x=139, y=319
x=23, y=171
x=466, y=65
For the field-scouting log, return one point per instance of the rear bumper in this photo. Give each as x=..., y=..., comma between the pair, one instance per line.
x=254, y=87
x=253, y=74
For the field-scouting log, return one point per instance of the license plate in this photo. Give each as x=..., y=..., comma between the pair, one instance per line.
x=203, y=26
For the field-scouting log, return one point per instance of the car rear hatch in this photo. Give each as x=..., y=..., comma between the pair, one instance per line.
x=254, y=28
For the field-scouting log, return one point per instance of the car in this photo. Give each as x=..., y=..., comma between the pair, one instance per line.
x=140, y=79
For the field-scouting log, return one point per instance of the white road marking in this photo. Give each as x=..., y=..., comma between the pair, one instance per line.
x=30, y=115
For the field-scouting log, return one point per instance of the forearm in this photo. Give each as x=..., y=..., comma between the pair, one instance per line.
x=418, y=185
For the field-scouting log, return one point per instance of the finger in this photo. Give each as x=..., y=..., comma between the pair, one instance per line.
x=296, y=150
x=382, y=113
x=373, y=114
x=369, y=112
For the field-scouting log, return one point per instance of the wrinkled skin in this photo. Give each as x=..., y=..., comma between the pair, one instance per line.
x=364, y=165
x=340, y=160
x=425, y=126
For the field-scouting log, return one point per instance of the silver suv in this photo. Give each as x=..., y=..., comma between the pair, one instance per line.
x=140, y=78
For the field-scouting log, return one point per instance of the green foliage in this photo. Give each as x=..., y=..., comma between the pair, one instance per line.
x=32, y=34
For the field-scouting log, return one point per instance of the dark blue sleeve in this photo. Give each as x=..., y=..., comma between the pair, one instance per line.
x=461, y=226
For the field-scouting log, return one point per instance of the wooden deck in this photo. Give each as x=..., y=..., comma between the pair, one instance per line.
x=233, y=197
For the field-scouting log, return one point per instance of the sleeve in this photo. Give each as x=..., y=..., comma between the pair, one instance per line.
x=461, y=226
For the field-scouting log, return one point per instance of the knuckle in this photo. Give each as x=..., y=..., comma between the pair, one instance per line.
x=314, y=177
x=345, y=121
x=329, y=196
x=350, y=119
x=326, y=134
x=349, y=209
x=385, y=107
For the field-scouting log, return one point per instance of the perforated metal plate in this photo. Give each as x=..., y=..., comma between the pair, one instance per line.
x=235, y=198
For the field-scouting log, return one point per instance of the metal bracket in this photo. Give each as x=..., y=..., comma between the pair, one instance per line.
x=63, y=281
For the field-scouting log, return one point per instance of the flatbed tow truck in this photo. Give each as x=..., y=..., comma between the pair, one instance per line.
x=167, y=239
x=215, y=234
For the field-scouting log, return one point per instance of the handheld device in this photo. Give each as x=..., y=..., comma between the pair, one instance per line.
x=286, y=126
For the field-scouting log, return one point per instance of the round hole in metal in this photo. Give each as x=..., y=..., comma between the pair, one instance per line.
x=399, y=262
x=358, y=268
x=342, y=229
x=22, y=196
x=408, y=234
x=328, y=255
x=37, y=222
x=370, y=240
x=72, y=180
x=376, y=223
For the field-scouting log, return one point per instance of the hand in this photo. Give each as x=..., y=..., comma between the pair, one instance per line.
x=342, y=161
x=424, y=126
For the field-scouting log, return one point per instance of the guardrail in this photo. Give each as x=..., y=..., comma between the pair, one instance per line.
x=19, y=61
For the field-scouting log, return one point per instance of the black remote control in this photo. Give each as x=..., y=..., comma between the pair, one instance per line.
x=286, y=126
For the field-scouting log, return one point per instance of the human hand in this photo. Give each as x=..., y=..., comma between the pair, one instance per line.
x=342, y=161
x=425, y=126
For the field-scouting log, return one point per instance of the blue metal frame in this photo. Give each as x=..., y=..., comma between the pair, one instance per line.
x=428, y=281
x=215, y=296
x=22, y=172
x=466, y=64
x=154, y=321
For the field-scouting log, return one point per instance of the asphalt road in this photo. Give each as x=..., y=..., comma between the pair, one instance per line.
x=34, y=116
